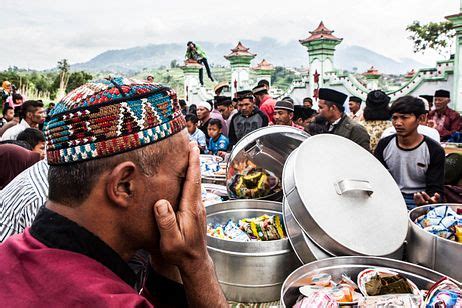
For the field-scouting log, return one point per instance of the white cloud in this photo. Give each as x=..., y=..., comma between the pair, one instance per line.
x=36, y=33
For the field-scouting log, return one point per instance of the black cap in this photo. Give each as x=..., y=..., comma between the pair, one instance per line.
x=429, y=98
x=377, y=99
x=284, y=105
x=221, y=98
x=244, y=94
x=260, y=89
x=333, y=96
x=442, y=93
x=355, y=99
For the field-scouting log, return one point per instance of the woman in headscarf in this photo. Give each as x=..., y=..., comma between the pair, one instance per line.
x=13, y=160
x=376, y=116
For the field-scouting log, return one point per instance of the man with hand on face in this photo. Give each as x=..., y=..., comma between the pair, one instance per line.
x=331, y=108
x=111, y=196
x=284, y=114
x=415, y=161
x=444, y=119
x=248, y=118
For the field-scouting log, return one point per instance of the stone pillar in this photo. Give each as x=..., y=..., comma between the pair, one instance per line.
x=191, y=78
x=239, y=59
x=456, y=95
x=263, y=70
x=321, y=47
x=372, y=76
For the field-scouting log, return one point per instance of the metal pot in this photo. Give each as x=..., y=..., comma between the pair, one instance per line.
x=424, y=278
x=267, y=148
x=218, y=190
x=343, y=200
x=213, y=179
x=434, y=252
x=249, y=271
x=306, y=250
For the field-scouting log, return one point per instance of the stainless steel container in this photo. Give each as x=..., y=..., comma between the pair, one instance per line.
x=267, y=148
x=343, y=201
x=431, y=251
x=214, y=179
x=424, y=278
x=249, y=271
x=218, y=190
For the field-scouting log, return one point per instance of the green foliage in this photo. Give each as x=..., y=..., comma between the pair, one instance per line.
x=282, y=77
x=76, y=79
x=42, y=82
x=434, y=35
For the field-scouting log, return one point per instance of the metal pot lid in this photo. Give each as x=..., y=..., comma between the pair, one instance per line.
x=264, y=150
x=344, y=198
x=305, y=249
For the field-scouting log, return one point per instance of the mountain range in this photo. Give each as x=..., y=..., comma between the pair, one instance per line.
x=292, y=54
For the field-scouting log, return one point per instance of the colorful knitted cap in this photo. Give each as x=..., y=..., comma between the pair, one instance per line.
x=110, y=116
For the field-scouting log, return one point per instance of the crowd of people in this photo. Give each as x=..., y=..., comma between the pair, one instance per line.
x=417, y=126
x=97, y=170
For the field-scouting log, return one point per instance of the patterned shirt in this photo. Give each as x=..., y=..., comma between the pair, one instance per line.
x=375, y=130
x=21, y=199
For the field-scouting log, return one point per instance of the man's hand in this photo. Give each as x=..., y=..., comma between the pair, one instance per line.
x=422, y=198
x=222, y=154
x=183, y=239
x=183, y=234
x=431, y=123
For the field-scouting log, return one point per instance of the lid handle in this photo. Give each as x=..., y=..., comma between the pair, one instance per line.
x=346, y=185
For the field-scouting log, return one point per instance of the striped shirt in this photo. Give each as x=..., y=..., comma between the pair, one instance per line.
x=21, y=199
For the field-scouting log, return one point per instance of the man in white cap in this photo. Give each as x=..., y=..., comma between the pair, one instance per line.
x=204, y=114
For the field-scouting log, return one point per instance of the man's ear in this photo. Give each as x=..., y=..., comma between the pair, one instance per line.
x=421, y=119
x=120, y=183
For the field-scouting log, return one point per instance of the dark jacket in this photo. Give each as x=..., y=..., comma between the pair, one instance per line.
x=351, y=130
x=241, y=126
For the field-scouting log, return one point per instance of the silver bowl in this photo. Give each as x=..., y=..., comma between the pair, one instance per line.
x=249, y=271
x=423, y=277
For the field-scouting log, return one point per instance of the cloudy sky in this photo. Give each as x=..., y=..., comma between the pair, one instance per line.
x=36, y=33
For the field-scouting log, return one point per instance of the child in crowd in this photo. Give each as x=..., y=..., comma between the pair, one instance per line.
x=196, y=134
x=218, y=143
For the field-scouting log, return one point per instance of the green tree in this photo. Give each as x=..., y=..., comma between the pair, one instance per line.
x=76, y=79
x=63, y=68
x=434, y=35
x=173, y=64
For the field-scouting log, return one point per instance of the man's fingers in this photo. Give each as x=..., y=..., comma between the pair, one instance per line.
x=436, y=197
x=192, y=186
x=166, y=221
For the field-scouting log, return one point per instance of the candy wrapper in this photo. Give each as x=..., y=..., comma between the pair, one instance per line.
x=263, y=228
x=442, y=221
x=444, y=293
x=329, y=291
x=211, y=166
x=382, y=281
x=394, y=300
x=232, y=231
x=316, y=300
